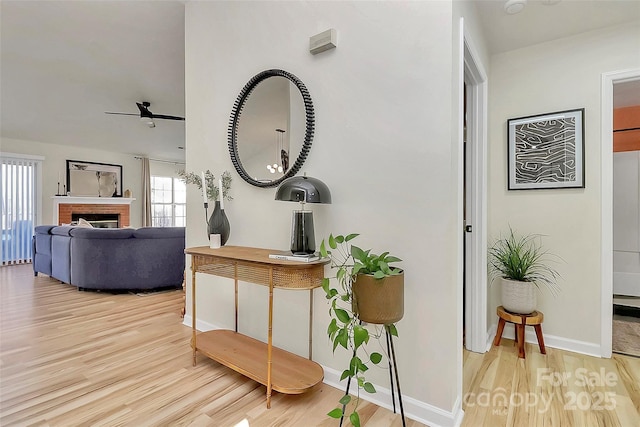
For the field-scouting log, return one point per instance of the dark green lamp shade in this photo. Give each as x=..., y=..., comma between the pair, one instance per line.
x=303, y=189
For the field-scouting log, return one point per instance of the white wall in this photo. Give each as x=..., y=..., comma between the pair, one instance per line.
x=559, y=75
x=383, y=145
x=55, y=157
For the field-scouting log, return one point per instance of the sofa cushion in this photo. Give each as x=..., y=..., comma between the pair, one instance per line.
x=60, y=253
x=42, y=249
x=43, y=229
x=159, y=232
x=101, y=233
x=43, y=240
x=62, y=230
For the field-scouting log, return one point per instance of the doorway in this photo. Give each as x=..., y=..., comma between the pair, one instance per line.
x=626, y=218
x=607, y=106
x=474, y=203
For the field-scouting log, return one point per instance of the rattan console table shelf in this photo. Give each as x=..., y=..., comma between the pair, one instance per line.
x=277, y=369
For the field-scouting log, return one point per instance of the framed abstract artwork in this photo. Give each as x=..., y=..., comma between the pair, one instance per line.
x=94, y=179
x=546, y=151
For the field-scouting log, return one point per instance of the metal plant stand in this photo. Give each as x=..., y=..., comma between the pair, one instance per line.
x=393, y=370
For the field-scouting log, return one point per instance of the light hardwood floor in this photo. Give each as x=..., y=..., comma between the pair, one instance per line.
x=560, y=388
x=70, y=358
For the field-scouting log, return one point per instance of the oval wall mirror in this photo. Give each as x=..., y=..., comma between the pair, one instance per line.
x=271, y=128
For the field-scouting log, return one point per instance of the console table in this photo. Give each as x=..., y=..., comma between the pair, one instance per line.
x=277, y=369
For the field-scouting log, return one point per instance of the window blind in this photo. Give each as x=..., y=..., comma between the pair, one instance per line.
x=19, y=185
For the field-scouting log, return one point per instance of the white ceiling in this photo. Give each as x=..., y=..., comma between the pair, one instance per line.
x=64, y=63
x=545, y=20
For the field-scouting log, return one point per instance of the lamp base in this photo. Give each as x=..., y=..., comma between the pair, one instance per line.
x=303, y=239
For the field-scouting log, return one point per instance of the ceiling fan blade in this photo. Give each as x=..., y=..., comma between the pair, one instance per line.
x=122, y=114
x=146, y=114
x=144, y=109
x=163, y=116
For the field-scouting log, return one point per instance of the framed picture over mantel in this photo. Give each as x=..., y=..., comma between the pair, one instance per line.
x=89, y=179
x=546, y=151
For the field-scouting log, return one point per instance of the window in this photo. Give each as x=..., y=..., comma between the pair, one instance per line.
x=20, y=183
x=168, y=202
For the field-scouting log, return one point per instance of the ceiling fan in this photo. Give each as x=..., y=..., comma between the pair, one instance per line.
x=147, y=116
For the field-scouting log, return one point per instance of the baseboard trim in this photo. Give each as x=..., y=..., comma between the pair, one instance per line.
x=201, y=325
x=583, y=347
x=490, y=335
x=413, y=408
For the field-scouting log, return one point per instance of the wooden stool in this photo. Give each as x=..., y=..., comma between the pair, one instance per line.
x=520, y=321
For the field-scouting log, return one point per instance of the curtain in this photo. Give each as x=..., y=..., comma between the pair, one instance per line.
x=146, y=193
x=19, y=184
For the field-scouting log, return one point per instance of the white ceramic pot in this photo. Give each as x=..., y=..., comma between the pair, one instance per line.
x=518, y=297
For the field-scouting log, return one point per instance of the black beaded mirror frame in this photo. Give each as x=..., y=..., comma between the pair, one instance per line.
x=235, y=119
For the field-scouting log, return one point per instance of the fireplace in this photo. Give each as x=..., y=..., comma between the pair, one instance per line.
x=98, y=220
x=68, y=208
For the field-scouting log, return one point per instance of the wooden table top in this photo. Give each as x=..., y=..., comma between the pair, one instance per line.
x=244, y=253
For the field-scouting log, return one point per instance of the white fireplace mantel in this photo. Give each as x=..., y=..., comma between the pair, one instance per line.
x=75, y=200
x=92, y=200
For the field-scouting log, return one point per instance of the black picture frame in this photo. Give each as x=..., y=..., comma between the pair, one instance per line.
x=546, y=151
x=91, y=179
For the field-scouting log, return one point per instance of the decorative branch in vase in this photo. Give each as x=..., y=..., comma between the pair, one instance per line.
x=217, y=224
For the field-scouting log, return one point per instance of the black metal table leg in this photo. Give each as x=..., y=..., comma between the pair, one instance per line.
x=393, y=398
x=346, y=393
x=395, y=370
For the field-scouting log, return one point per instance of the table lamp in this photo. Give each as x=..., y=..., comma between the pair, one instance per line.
x=303, y=189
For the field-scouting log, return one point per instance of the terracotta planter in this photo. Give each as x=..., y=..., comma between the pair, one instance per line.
x=518, y=297
x=378, y=301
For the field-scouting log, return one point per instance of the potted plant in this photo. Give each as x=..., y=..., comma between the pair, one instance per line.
x=520, y=263
x=217, y=224
x=212, y=189
x=368, y=290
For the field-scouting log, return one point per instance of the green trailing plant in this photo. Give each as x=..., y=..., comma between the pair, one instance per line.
x=522, y=258
x=345, y=329
x=212, y=188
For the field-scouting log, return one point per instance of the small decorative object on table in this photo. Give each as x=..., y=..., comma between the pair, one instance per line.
x=218, y=222
x=58, y=193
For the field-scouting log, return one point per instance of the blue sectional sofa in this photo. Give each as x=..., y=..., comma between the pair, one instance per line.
x=111, y=258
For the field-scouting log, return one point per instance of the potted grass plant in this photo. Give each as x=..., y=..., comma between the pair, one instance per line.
x=367, y=288
x=522, y=267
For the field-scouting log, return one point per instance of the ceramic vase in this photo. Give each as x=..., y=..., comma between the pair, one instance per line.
x=378, y=301
x=518, y=297
x=219, y=224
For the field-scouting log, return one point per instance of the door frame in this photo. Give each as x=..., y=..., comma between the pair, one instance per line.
x=608, y=81
x=475, y=77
